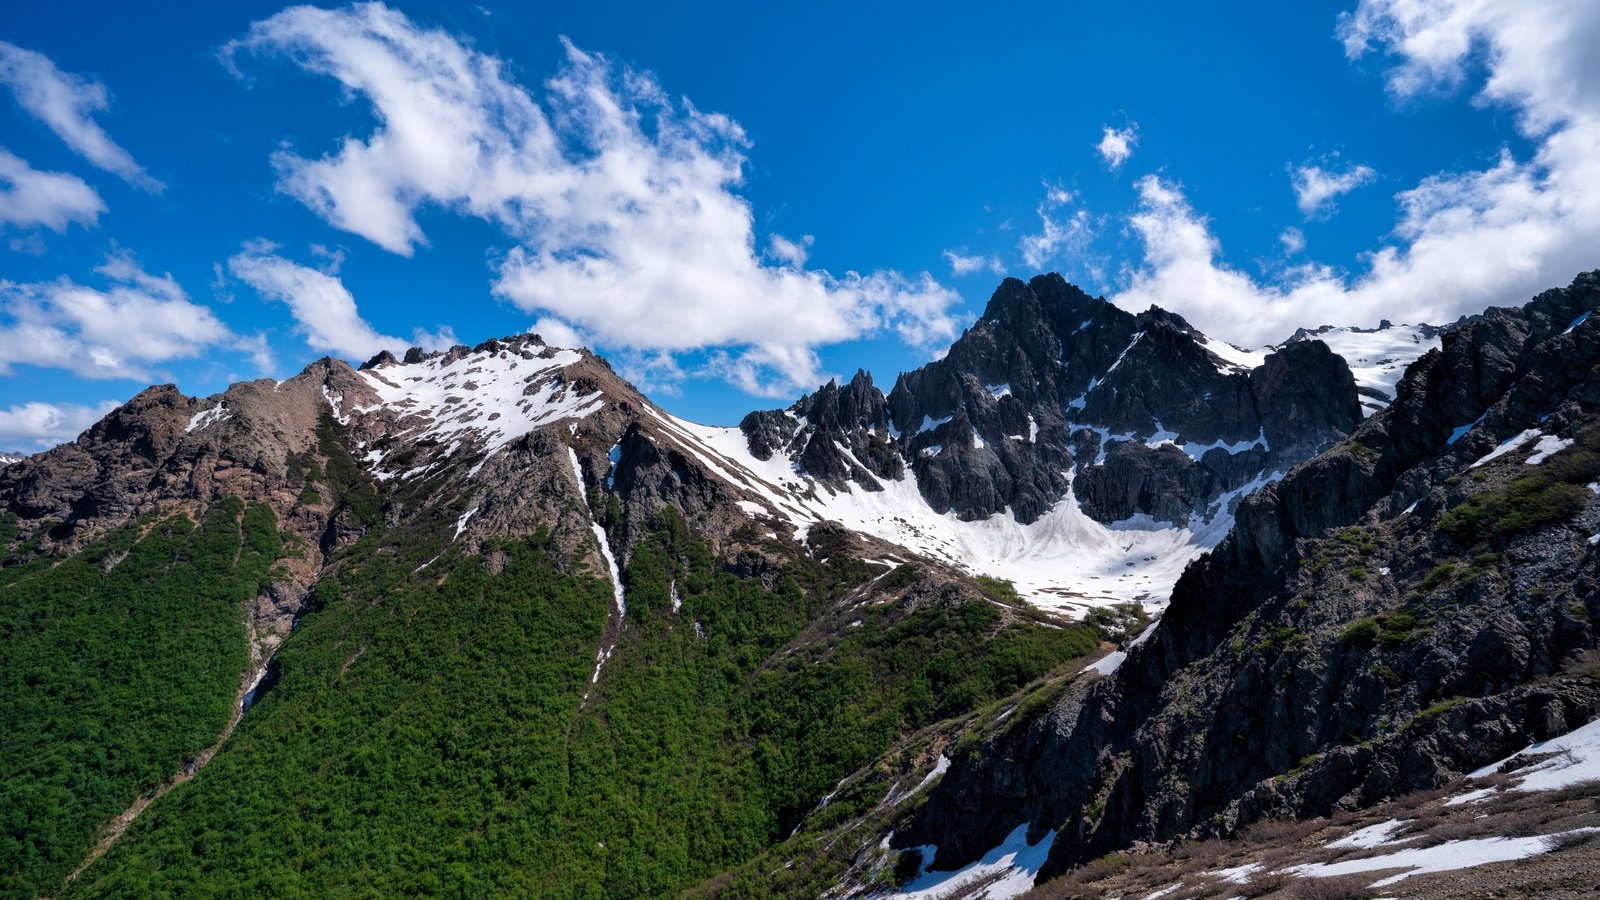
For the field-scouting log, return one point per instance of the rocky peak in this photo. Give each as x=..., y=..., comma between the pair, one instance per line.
x=1029, y=403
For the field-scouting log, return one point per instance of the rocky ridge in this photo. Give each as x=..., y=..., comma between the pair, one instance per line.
x=1407, y=606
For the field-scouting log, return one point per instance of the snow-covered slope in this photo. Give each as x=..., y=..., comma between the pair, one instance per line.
x=487, y=397
x=1064, y=561
x=1377, y=356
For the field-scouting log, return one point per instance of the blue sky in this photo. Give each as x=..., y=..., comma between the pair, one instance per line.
x=735, y=202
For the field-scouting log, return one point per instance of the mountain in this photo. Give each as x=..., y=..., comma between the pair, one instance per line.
x=490, y=621
x=1413, y=604
x=1085, y=452
x=7, y=459
x=493, y=585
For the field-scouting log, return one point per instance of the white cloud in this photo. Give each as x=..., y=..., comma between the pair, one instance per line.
x=961, y=264
x=323, y=308
x=54, y=200
x=624, y=201
x=1058, y=235
x=67, y=103
x=1464, y=240
x=557, y=333
x=39, y=426
x=791, y=253
x=1293, y=240
x=137, y=321
x=1116, y=144
x=1315, y=187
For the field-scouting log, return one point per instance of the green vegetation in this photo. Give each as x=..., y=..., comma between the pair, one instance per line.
x=1553, y=492
x=117, y=666
x=1361, y=631
x=430, y=732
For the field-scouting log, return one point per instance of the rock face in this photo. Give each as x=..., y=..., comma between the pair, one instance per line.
x=1411, y=604
x=1053, y=389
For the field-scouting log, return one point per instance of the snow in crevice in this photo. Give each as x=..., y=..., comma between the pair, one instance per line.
x=611, y=566
x=1578, y=321
x=461, y=523
x=614, y=456
x=929, y=423
x=577, y=475
x=335, y=403
x=939, y=768
x=208, y=417
x=1460, y=431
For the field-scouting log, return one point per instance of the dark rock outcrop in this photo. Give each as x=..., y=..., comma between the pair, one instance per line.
x=1052, y=389
x=1388, y=616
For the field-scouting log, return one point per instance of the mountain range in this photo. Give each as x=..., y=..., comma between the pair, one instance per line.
x=490, y=621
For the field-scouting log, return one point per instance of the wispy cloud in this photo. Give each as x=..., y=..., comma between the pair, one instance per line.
x=1116, y=145
x=39, y=426
x=624, y=202
x=31, y=198
x=1317, y=187
x=323, y=308
x=66, y=103
x=962, y=264
x=1061, y=233
x=137, y=321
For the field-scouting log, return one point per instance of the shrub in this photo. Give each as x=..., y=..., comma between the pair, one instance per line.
x=1361, y=631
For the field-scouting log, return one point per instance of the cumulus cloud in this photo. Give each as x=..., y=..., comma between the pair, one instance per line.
x=31, y=198
x=1316, y=187
x=961, y=264
x=1464, y=240
x=324, y=310
x=40, y=426
x=1116, y=145
x=624, y=201
x=120, y=331
x=66, y=103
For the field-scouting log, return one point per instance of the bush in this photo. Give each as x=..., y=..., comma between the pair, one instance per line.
x=1361, y=631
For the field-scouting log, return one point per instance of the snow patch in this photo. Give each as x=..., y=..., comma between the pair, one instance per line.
x=491, y=396
x=208, y=417
x=1446, y=857
x=1577, y=759
x=1506, y=446
x=1006, y=871
x=1548, y=445
x=611, y=566
x=461, y=523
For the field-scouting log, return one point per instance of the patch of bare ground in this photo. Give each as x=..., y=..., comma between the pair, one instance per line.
x=1257, y=862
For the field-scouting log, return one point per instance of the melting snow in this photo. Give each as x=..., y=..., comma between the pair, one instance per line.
x=208, y=417
x=495, y=396
x=1006, y=871
x=611, y=565
x=1548, y=445
x=461, y=523
x=1370, y=836
x=1445, y=857
x=1577, y=759
x=1506, y=446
